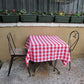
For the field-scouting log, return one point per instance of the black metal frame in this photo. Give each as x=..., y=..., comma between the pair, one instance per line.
x=9, y=37
x=71, y=46
x=11, y=48
x=75, y=35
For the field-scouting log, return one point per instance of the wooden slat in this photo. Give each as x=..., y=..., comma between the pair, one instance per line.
x=12, y=4
x=59, y=5
x=79, y=6
x=55, y=5
x=70, y=7
x=45, y=5
x=0, y=4
x=23, y=4
x=6, y=4
x=49, y=5
x=73, y=5
x=29, y=6
x=34, y=9
x=83, y=7
x=39, y=5
x=17, y=5
x=19, y=51
x=65, y=5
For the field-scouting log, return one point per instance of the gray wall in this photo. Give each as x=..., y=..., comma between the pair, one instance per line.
x=44, y=5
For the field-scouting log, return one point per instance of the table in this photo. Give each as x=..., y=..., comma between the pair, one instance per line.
x=43, y=48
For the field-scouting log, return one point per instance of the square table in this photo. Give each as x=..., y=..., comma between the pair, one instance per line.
x=43, y=48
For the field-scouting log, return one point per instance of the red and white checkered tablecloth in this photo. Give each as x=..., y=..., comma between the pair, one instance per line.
x=46, y=48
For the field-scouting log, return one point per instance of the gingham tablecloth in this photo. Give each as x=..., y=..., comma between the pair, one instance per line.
x=46, y=48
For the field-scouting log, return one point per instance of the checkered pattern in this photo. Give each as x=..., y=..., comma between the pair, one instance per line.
x=46, y=48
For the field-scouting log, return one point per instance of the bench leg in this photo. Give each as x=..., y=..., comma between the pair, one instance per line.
x=36, y=70
x=29, y=71
x=69, y=66
x=50, y=63
x=10, y=65
x=55, y=63
x=56, y=69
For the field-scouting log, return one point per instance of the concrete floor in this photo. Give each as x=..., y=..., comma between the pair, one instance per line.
x=45, y=75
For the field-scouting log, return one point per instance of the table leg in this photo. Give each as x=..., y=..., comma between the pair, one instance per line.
x=50, y=63
x=55, y=63
x=29, y=71
x=69, y=66
x=56, y=69
x=36, y=70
